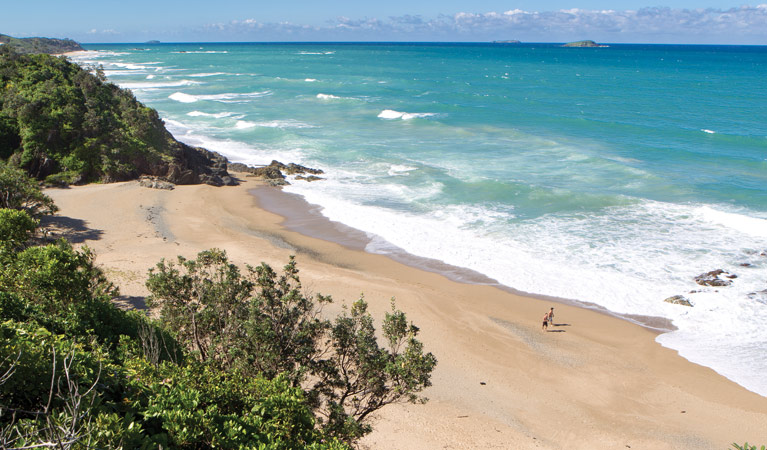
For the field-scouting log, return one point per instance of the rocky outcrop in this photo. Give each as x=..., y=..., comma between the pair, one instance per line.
x=273, y=173
x=713, y=278
x=678, y=300
x=194, y=165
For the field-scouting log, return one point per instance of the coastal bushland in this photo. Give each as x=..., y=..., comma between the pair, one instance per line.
x=238, y=359
x=65, y=125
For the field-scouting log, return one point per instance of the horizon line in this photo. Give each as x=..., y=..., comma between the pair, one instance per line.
x=499, y=43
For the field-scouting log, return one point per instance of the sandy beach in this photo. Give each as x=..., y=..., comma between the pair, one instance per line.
x=591, y=382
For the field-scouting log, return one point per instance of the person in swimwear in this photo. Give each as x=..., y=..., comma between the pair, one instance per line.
x=551, y=316
x=545, y=325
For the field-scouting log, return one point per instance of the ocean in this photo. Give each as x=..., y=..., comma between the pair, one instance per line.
x=609, y=176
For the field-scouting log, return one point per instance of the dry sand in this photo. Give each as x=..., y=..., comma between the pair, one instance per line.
x=595, y=382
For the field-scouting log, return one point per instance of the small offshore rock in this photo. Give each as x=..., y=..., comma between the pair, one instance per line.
x=746, y=265
x=156, y=183
x=678, y=300
x=712, y=278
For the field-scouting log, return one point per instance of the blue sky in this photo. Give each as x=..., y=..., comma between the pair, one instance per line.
x=675, y=21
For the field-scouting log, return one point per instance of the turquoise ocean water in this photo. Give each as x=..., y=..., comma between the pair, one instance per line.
x=606, y=175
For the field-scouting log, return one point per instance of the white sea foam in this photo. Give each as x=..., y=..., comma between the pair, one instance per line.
x=158, y=84
x=398, y=169
x=283, y=124
x=234, y=150
x=310, y=80
x=204, y=114
x=628, y=259
x=183, y=98
x=244, y=124
x=223, y=98
x=150, y=77
x=211, y=74
x=327, y=97
x=390, y=114
x=202, y=51
x=708, y=131
x=752, y=226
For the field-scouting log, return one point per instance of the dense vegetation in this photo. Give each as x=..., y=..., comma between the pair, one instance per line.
x=238, y=361
x=40, y=45
x=66, y=125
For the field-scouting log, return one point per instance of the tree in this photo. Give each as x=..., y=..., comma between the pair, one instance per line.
x=19, y=191
x=203, y=300
x=16, y=228
x=273, y=329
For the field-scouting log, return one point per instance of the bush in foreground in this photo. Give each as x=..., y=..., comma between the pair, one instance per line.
x=262, y=324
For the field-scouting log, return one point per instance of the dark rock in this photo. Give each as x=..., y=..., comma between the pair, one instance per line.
x=277, y=182
x=194, y=165
x=309, y=178
x=273, y=173
x=746, y=265
x=678, y=300
x=712, y=278
x=293, y=168
x=240, y=167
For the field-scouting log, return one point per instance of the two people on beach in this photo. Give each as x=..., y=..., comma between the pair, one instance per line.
x=548, y=318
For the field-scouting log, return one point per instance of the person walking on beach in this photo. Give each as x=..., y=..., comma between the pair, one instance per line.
x=551, y=316
x=545, y=325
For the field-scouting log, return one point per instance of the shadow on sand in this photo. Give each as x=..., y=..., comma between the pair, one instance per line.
x=130, y=302
x=73, y=230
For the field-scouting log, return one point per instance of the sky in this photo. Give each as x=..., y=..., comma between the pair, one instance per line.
x=604, y=21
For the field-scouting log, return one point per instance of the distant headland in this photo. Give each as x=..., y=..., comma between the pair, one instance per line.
x=583, y=44
x=510, y=41
x=40, y=45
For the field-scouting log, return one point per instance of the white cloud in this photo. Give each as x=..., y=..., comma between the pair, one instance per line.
x=744, y=25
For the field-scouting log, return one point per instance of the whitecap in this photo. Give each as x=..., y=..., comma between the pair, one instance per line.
x=707, y=131
x=202, y=51
x=244, y=124
x=390, y=114
x=183, y=98
x=204, y=114
x=327, y=96
x=283, y=124
x=752, y=226
x=223, y=98
x=398, y=169
x=211, y=74
x=156, y=85
x=310, y=80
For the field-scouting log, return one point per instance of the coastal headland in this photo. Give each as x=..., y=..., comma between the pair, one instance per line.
x=592, y=381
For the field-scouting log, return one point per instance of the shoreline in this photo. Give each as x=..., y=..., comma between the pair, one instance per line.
x=597, y=382
x=305, y=218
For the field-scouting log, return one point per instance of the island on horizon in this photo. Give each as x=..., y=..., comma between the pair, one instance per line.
x=586, y=43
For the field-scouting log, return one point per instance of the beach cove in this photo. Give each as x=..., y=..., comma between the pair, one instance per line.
x=607, y=176
x=597, y=382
